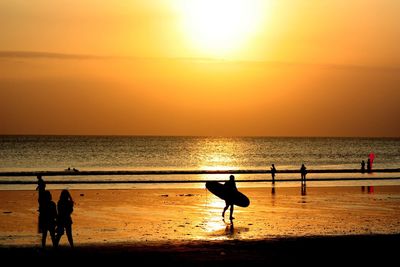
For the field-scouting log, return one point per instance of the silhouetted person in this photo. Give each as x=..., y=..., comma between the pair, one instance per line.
x=363, y=166
x=65, y=207
x=369, y=165
x=231, y=189
x=41, y=188
x=47, y=218
x=273, y=172
x=303, y=172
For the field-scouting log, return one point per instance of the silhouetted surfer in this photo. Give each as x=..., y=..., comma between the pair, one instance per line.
x=229, y=193
x=231, y=189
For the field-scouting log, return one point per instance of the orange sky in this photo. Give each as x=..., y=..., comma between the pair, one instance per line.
x=190, y=67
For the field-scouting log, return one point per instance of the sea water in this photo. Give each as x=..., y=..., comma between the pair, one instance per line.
x=90, y=153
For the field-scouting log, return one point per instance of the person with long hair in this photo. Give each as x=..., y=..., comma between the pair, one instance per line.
x=65, y=207
x=47, y=218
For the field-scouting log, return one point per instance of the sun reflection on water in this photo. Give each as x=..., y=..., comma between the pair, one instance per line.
x=219, y=159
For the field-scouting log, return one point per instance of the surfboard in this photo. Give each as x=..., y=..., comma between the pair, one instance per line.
x=237, y=198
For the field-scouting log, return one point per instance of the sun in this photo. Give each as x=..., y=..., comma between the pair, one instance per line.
x=220, y=27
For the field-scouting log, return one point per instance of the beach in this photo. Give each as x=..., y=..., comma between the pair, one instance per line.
x=150, y=114
x=177, y=222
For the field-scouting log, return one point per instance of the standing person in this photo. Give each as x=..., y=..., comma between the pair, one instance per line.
x=47, y=218
x=41, y=188
x=65, y=207
x=369, y=165
x=273, y=171
x=231, y=189
x=303, y=172
x=363, y=166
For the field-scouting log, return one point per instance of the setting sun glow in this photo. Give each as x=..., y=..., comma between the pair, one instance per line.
x=221, y=27
x=200, y=68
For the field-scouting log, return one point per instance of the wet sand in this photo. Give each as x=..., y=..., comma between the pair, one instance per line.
x=185, y=225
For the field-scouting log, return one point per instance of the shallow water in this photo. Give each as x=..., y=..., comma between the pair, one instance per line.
x=56, y=153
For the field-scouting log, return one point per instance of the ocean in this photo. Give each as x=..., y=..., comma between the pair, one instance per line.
x=91, y=153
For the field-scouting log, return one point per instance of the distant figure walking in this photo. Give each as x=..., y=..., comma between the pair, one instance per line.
x=303, y=172
x=47, y=218
x=273, y=172
x=363, y=166
x=369, y=165
x=65, y=207
x=231, y=188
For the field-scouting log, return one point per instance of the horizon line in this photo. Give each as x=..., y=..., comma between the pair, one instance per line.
x=196, y=136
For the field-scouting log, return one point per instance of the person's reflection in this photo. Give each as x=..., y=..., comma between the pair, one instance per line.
x=370, y=189
x=303, y=189
x=273, y=195
x=229, y=229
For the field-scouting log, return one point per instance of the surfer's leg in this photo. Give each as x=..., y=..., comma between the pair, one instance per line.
x=226, y=207
x=231, y=215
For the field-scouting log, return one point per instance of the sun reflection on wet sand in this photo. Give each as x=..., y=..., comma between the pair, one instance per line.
x=195, y=214
x=216, y=227
x=213, y=219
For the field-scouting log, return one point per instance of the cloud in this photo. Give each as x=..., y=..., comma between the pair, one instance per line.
x=48, y=55
x=65, y=56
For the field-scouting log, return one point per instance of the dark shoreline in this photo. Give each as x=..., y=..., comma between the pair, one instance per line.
x=313, y=250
